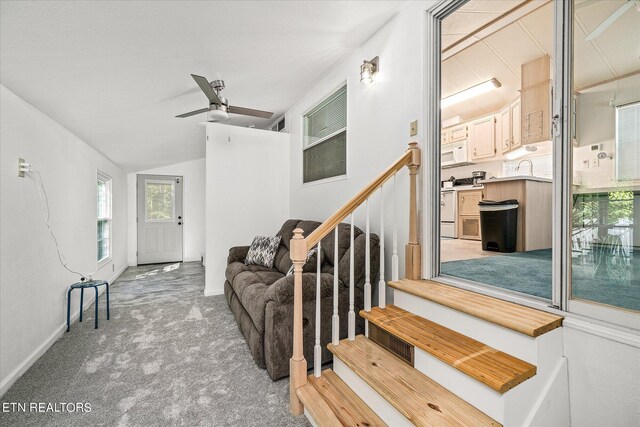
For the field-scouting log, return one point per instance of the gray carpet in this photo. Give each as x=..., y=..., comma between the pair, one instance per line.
x=168, y=356
x=530, y=273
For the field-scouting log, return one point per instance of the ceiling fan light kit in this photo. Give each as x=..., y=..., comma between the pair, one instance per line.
x=219, y=107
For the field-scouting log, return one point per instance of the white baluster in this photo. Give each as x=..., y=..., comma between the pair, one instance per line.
x=335, y=319
x=367, y=270
x=382, y=293
x=394, y=257
x=317, y=350
x=352, y=314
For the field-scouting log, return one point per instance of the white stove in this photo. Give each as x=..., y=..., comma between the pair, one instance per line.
x=449, y=209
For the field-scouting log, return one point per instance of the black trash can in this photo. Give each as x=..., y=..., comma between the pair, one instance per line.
x=499, y=225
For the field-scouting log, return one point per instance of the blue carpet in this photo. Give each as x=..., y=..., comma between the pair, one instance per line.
x=530, y=273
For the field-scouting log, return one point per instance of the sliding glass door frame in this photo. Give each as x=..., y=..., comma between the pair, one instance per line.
x=562, y=119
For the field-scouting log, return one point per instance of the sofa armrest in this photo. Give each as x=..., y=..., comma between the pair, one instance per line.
x=281, y=291
x=237, y=254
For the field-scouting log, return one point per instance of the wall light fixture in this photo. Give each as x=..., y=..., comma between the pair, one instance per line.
x=368, y=69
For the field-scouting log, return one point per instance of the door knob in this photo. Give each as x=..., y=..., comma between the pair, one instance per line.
x=179, y=217
x=180, y=223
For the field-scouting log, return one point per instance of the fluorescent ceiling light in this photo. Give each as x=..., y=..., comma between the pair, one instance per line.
x=522, y=151
x=473, y=91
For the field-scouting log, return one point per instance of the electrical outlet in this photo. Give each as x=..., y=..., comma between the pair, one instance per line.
x=20, y=171
x=413, y=128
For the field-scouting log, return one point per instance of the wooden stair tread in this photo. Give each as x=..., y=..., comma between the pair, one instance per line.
x=316, y=406
x=416, y=396
x=519, y=318
x=348, y=408
x=496, y=369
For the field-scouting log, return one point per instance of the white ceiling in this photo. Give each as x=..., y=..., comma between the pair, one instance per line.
x=614, y=53
x=116, y=73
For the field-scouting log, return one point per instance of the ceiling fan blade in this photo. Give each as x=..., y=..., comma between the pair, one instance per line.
x=207, y=89
x=193, y=113
x=250, y=112
x=610, y=20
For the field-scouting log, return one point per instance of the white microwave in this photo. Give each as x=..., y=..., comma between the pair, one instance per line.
x=455, y=154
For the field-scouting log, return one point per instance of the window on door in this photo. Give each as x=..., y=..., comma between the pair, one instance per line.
x=605, y=238
x=104, y=218
x=325, y=138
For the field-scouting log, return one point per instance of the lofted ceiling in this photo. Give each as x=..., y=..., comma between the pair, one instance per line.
x=614, y=53
x=115, y=73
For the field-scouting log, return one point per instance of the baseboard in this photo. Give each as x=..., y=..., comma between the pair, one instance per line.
x=212, y=292
x=14, y=375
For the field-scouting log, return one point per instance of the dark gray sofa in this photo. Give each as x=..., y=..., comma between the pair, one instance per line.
x=261, y=299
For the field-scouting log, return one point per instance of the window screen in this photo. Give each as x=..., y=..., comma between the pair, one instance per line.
x=628, y=142
x=325, y=138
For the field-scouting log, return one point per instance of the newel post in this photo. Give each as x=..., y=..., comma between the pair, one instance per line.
x=297, y=364
x=413, y=265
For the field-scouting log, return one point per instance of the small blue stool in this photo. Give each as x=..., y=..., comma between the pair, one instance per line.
x=82, y=285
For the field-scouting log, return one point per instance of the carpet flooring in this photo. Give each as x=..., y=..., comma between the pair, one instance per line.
x=168, y=356
x=530, y=273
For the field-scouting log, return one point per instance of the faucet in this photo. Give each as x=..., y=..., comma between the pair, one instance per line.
x=530, y=166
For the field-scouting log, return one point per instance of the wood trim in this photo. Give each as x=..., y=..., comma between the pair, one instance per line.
x=525, y=320
x=297, y=363
x=330, y=223
x=604, y=82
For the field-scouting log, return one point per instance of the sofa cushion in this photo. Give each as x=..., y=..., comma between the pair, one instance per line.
x=344, y=240
x=283, y=260
x=263, y=251
x=234, y=268
x=251, y=288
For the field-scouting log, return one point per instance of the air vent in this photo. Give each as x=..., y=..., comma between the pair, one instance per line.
x=395, y=345
x=279, y=126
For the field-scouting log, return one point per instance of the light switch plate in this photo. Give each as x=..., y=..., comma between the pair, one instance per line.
x=20, y=171
x=413, y=128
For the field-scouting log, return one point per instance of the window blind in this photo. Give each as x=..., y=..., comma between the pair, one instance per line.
x=628, y=142
x=327, y=159
x=327, y=118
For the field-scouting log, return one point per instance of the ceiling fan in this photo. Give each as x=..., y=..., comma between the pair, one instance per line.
x=610, y=19
x=219, y=107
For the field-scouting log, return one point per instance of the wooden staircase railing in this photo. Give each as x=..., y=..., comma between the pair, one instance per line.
x=300, y=247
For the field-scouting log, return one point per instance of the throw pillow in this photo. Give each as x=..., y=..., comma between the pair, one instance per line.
x=263, y=251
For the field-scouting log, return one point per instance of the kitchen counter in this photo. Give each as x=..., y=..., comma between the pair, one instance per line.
x=516, y=178
x=534, y=196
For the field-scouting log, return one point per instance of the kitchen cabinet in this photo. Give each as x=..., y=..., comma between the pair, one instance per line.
x=469, y=214
x=458, y=133
x=510, y=131
x=483, y=138
x=444, y=136
x=535, y=97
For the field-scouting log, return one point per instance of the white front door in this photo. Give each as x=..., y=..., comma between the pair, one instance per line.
x=159, y=219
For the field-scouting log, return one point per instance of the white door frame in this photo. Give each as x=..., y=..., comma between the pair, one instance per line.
x=178, y=214
x=432, y=176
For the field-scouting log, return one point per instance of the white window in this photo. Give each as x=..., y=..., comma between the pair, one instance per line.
x=628, y=141
x=104, y=218
x=325, y=138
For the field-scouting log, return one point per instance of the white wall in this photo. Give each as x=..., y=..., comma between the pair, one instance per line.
x=378, y=117
x=597, y=125
x=193, y=185
x=604, y=379
x=247, y=192
x=32, y=282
